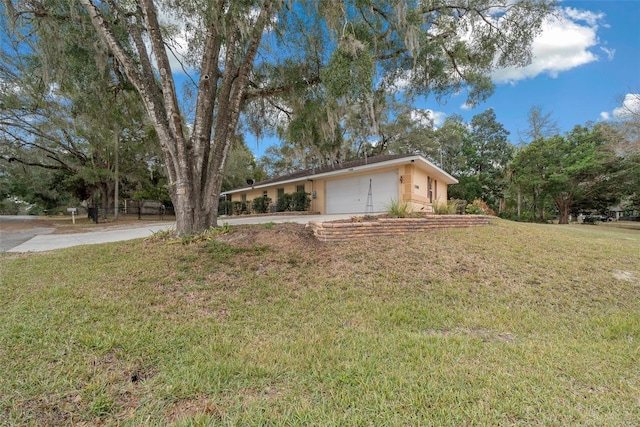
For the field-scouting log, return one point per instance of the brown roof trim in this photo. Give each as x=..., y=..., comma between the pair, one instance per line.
x=331, y=168
x=334, y=167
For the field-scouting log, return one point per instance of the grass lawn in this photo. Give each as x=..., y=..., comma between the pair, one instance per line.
x=509, y=324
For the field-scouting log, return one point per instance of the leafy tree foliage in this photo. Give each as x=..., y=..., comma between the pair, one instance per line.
x=282, y=160
x=67, y=109
x=573, y=170
x=410, y=131
x=486, y=151
x=241, y=167
x=25, y=190
x=451, y=138
x=624, y=137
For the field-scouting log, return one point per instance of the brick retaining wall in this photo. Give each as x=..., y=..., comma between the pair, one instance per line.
x=338, y=231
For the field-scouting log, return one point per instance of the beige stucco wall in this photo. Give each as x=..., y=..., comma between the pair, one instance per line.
x=318, y=203
x=413, y=188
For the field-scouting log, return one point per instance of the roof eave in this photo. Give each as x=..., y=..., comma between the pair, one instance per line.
x=448, y=179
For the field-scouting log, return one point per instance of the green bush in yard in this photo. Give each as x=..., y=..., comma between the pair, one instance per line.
x=399, y=209
x=261, y=204
x=300, y=201
x=239, y=208
x=225, y=207
x=284, y=203
x=297, y=202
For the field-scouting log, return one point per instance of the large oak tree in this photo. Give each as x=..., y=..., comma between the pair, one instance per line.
x=262, y=56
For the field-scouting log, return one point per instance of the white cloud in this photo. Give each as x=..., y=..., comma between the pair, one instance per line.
x=253, y=15
x=7, y=87
x=178, y=53
x=605, y=115
x=177, y=43
x=630, y=107
x=566, y=42
x=591, y=18
x=399, y=81
x=610, y=52
x=428, y=117
x=438, y=117
x=466, y=106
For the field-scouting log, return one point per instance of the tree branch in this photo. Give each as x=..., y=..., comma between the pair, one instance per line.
x=256, y=92
x=11, y=159
x=164, y=68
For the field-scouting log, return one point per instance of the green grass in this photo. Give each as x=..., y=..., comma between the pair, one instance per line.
x=509, y=324
x=621, y=224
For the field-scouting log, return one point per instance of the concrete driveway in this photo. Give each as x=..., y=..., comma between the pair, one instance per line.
x=39, y=240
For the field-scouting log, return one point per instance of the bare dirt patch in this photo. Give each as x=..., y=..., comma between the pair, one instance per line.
x=17, y=224
x=286, y=236
x=190, y=408
x=627, y=276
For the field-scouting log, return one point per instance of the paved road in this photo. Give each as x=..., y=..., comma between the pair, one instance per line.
x=44, y=241
x=12, y=238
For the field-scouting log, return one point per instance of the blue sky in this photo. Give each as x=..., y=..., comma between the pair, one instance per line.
x=586, y=60
x=585, y=63
x=584, y=67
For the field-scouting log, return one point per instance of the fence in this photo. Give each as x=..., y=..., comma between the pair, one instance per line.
x=142, y=209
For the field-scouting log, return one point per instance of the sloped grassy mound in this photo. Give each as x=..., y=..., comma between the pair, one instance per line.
x=498, y=325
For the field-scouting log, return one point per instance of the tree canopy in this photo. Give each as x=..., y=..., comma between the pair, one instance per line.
x=66, y=109
x=572, y=169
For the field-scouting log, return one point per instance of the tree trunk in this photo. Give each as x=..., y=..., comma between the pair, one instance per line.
x=564, y=203
x=106, y=197
x=191, y=216
x=564, y=215
x=194, y=163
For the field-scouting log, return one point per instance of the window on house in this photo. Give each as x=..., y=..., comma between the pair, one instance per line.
x=430, y=189
x=299, y=188
x=280, y=193
x=264, y=193
x=244, y=198
x=435, y=189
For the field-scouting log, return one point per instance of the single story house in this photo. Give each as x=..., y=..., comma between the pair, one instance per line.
x=361, y=186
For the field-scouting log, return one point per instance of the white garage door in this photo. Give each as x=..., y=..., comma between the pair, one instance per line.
x=349, y=195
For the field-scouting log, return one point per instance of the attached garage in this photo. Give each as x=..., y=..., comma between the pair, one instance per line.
x=350, y=195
